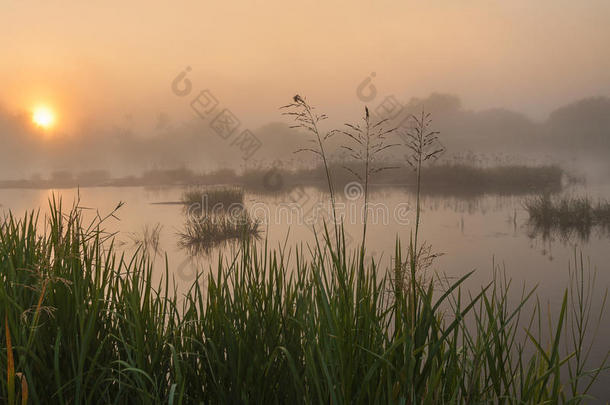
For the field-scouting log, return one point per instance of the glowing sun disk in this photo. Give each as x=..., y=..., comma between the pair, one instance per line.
x=43, y=117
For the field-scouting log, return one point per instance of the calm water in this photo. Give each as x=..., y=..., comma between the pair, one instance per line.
x=472, y=234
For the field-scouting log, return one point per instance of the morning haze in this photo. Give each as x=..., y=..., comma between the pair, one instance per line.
x=305, y=202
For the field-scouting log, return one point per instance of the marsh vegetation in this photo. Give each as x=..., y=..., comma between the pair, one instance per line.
x=212, y=199
x=148, y=239
x=88, y=327
x=214, y=215
x=446, y=177
x=200, y=234
x=567, y=216
x=85, y=323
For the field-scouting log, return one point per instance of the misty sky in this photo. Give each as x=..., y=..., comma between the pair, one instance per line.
x=107, y=62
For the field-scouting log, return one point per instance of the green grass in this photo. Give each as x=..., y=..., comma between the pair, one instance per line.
x=88, y=325
x=567, y=215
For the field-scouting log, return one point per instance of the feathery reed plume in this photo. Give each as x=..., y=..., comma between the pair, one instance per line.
x=423, y=146
x=369, y=141
x=306, y=118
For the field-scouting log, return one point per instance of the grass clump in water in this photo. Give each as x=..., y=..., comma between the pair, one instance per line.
x=206, y=232
x=212, y=199
x=213, y=216
x=567, y=215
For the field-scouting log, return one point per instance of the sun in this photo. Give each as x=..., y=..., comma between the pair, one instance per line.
x=43, y=117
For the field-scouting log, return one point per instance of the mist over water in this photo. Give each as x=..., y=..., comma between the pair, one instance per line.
x=484, y=129
x=575, y=135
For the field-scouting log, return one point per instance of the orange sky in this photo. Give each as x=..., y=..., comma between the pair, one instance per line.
x=114, y=60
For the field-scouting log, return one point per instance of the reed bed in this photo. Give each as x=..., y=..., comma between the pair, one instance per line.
x=84, y=324
x=444, y=178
